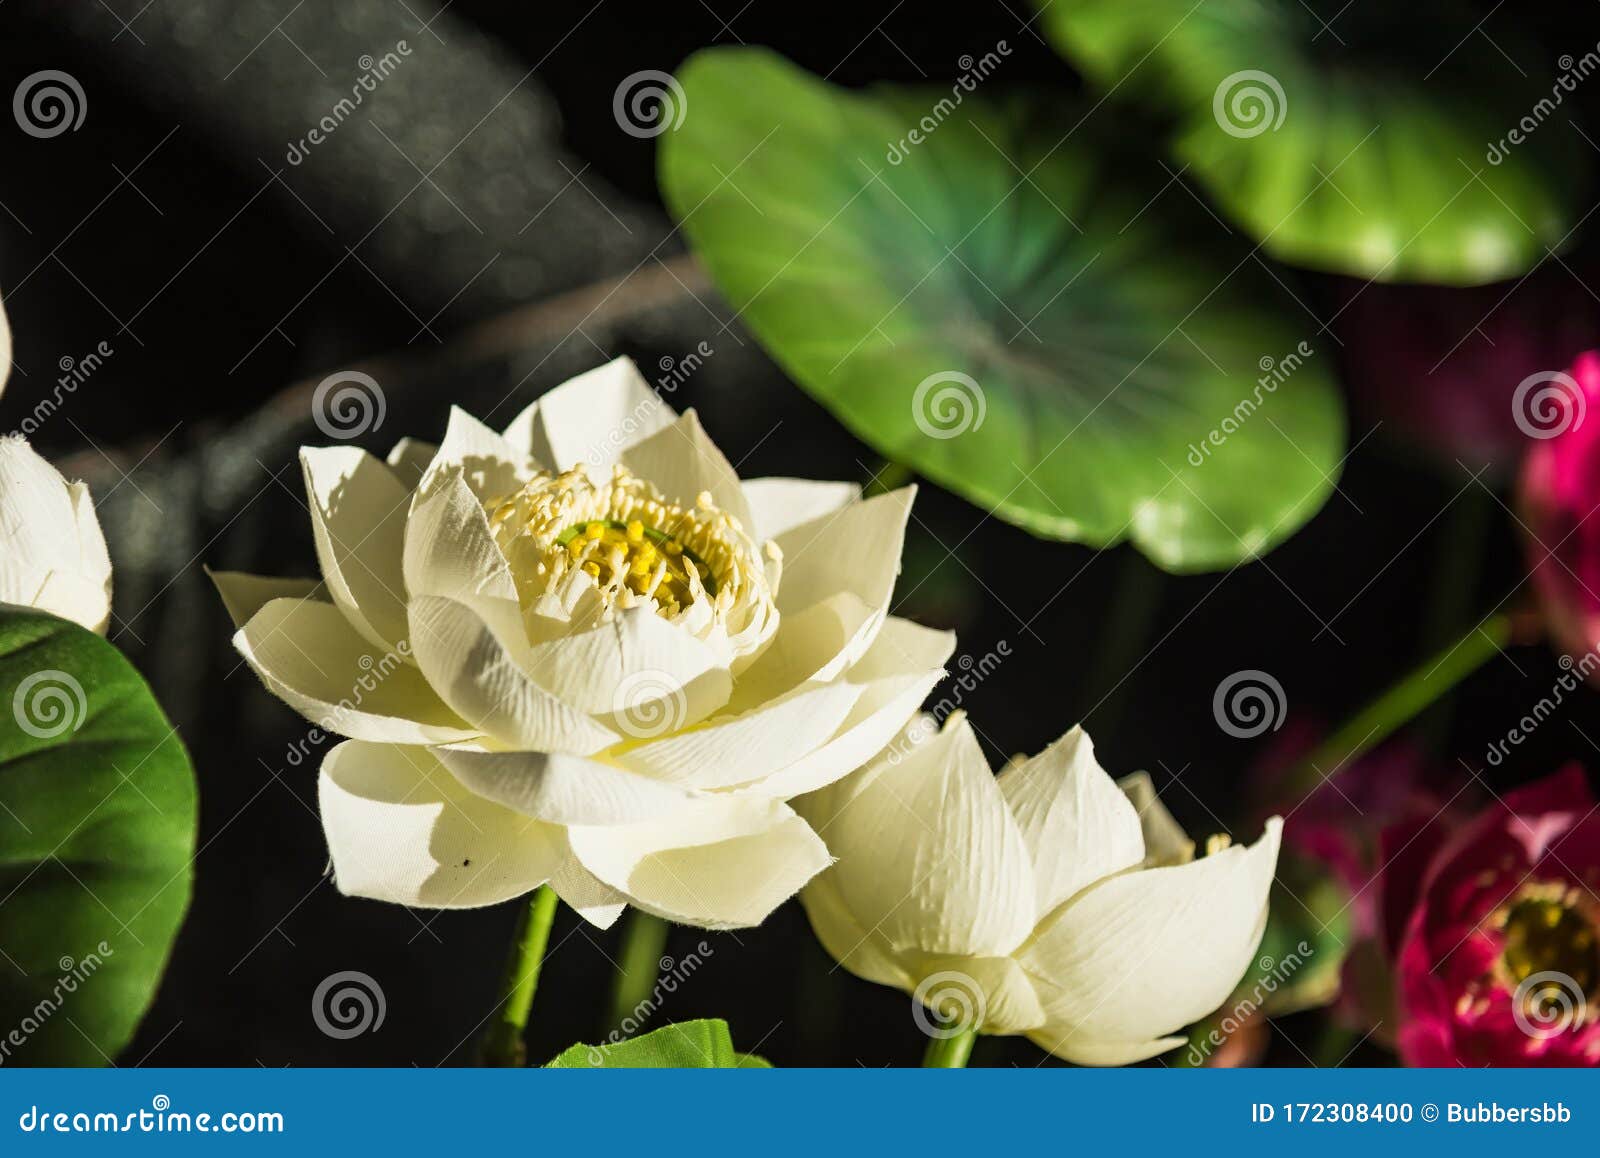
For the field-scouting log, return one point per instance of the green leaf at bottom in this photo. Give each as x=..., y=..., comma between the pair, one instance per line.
x=704, y=1044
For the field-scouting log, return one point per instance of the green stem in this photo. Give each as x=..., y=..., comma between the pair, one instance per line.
x=502, y=1043
x=1457, y=564
x=640, y=965
x=949, y=1053
x=1333, y=1045
x=1402, y=702
x=1126, y=637
x=1454, y=588
x=890, y=476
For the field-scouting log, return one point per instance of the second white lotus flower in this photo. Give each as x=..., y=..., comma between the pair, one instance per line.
x=1048, y=901
x=582, y=652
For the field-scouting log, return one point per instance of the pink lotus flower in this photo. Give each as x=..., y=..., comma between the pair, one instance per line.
x=1499, y=963
x=1559, y=490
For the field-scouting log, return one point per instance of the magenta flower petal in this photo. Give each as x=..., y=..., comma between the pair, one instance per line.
x=1559, y=491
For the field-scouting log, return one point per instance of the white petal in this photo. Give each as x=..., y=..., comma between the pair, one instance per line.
x=1143, y=954
x=409, y=459
x=5, y=350
x=73, y=597
x=449, y=549
x=1165, y=842
x=591, y=419
x=994, y=991
x=401, y=829
x=864, y=951
x=779, y=504
x=853, y=552
x=682, y=462
x=52, y=554
x=897, y=673
x=1083, y=1051
x=244, y=594
x=358, y=519
x=810, y=646
x=94, y=560
x=474, y=653
x=737, y=750
x=638, y=673
x=1078, y=824
x=39, y=528
x=311, y=658
x=723, y=864
x=524, y=435
x=587, y=895
x=855, y=549
x=492, y=467
x=900, y=648
x=927, y=851
x=561, y=789
x=37, y=515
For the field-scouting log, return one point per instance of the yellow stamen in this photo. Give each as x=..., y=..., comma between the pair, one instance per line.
x=580, y=547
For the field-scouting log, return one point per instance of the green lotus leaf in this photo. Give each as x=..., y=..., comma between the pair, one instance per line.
x=97, y=831
x=1398, y=142
x=704, y=1044
x=1060, y=337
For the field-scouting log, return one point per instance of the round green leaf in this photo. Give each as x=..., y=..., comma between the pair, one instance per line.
x=1066, y=340
x=1400, y=142
x=703, y=1044
x=97, y=829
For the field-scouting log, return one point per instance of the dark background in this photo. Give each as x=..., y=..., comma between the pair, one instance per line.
x=478, y=233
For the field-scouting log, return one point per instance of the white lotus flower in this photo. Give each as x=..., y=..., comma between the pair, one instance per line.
x=583, y=652
x=1048, y=900
x=52, y=554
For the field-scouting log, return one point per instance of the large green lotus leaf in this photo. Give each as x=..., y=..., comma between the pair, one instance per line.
x=703, y=1044
x=97, y=829
x=1044, y=330
x=1367, y=139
